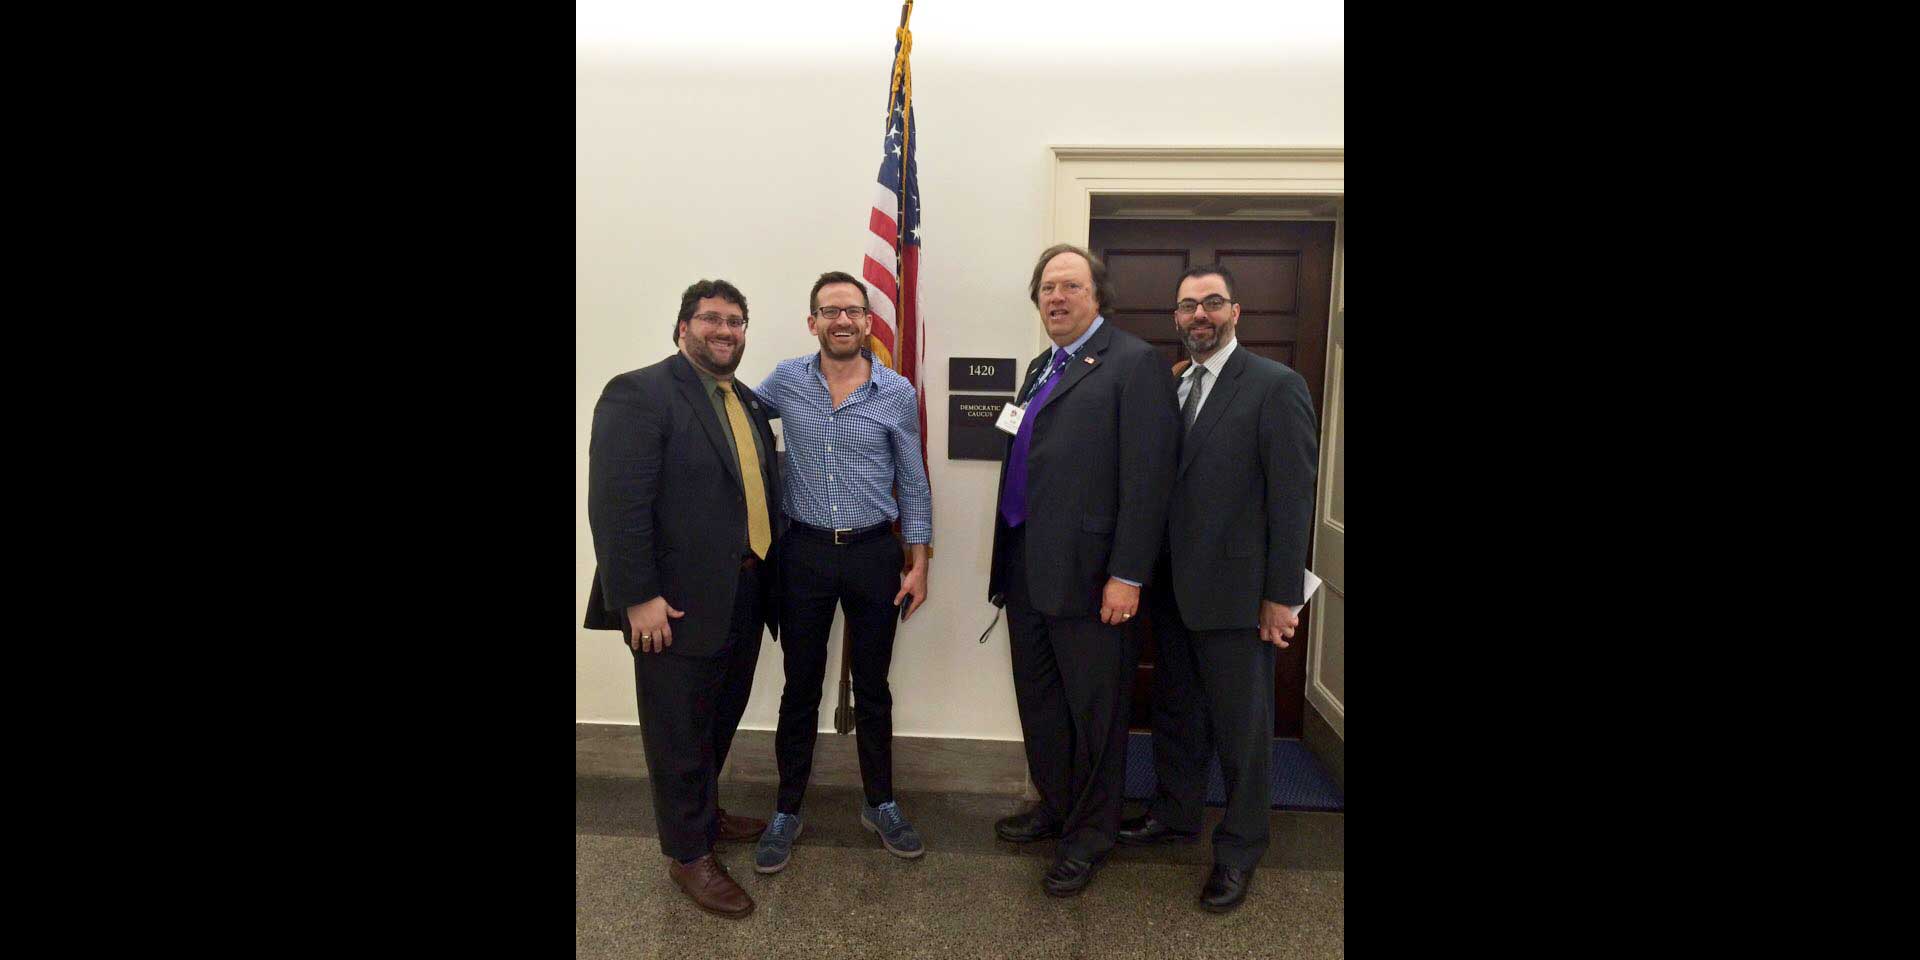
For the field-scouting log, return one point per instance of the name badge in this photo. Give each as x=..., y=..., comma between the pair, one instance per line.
x=1009, y=421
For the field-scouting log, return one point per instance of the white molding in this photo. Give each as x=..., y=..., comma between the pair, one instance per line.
x=1236, y=218
x=1332, y=710
x=1331, y=707
x=1333, y=411
x=1196, y=152
x=1080, y=171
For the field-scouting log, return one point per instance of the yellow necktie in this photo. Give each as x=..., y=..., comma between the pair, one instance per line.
x=759, y=532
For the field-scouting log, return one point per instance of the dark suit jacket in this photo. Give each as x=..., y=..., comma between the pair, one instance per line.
x=1243, y=496
x=1098, y=474
x=668, y=511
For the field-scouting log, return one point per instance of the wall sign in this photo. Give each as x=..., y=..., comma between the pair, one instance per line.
x=971, y=434
x=980, y=373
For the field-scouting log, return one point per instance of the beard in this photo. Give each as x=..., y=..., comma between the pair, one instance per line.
x=1202, y=342
x=832, y=348
x=699, y=349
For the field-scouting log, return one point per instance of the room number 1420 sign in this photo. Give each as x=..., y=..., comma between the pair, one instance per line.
x=980, y=373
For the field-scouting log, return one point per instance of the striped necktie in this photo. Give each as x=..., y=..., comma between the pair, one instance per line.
x=1190, y=410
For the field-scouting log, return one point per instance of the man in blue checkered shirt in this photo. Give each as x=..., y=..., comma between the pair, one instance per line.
x=852, y=435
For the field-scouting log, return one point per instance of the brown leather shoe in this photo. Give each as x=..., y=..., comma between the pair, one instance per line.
x=707, y=882
x=738, y=829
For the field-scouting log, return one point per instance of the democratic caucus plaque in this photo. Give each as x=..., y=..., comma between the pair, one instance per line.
x=971, y=434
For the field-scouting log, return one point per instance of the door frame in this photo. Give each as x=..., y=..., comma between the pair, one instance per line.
x=1082, y=171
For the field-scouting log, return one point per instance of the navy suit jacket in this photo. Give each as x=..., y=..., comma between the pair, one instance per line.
x=1099, y=470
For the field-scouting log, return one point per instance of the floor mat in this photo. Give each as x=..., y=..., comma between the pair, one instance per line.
x=1299, y=782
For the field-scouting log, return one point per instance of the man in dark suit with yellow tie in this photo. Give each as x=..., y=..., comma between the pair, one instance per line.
x=679, y=492
x=1237, y=548
x=1081, y=513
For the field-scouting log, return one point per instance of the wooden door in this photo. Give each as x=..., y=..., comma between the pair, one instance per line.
x=1283, y=278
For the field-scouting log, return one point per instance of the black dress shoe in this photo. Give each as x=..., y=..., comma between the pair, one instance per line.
x=1068, y=876
x=1026, y=827
x=1143, y=830
x=1226, y=887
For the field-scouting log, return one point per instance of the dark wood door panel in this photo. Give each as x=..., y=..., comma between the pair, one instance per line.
x=1267, y=280
x=1142, y=284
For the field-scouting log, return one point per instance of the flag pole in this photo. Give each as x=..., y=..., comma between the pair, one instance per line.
x=901, y=85
x=902, y=88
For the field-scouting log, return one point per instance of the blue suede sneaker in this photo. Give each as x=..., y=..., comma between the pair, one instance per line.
x=896, y=834
x=776, y=845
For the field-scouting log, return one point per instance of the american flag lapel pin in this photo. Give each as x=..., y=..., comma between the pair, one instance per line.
x=1091, y=361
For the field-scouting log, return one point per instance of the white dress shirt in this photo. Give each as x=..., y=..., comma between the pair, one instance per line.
x=1214, y=365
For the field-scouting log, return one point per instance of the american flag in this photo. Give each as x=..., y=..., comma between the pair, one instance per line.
x=892, y=264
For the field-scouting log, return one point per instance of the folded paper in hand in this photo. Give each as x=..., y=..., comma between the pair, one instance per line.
x=1312, y=584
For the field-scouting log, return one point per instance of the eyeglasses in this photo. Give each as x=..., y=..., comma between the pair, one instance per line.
x=1070, y=288
x=1214, y=304
x=833, y=313
x=714, y=320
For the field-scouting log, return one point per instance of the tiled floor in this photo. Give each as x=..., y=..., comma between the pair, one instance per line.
x=971, y=895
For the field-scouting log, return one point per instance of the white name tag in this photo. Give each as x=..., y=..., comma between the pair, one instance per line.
x=1010, y=419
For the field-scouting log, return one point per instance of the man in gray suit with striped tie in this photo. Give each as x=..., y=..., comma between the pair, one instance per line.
x=1234, y=566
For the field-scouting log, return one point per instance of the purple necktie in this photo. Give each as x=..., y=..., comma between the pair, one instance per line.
x=1013, y=506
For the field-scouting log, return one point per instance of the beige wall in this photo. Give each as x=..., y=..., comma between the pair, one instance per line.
x=749, y=153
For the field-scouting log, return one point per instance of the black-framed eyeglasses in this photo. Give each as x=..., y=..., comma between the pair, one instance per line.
x=833, y=313
x=1214, y=304
x=714, y=320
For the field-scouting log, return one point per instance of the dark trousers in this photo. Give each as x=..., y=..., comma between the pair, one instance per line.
x=1212, y=691
x=862, y=579
x=1073, y=681
x=689, y=709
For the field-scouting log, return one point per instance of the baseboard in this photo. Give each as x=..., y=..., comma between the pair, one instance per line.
x=594, y=728
x=1328, y=747
x=951, y=764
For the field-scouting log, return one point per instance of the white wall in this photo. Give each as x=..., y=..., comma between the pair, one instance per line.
x=744, y=146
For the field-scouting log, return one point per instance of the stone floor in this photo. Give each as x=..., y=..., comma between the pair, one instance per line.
x=971, y=895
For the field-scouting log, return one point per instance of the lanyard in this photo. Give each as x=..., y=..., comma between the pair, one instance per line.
x=1037, y=384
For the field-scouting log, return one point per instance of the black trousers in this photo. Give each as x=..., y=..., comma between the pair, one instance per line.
x=1073, y=681
x=862, y=579
x=689, y=710
x=1212, y=691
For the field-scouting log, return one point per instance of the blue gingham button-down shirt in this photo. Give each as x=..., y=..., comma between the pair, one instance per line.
x=842, y=465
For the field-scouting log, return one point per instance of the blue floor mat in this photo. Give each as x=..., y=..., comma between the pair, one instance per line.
x=1299, y=781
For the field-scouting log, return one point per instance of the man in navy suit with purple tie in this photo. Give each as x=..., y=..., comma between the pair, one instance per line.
x=1077, y=528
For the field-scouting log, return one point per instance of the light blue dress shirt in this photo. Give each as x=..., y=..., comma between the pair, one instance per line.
x=843, y=464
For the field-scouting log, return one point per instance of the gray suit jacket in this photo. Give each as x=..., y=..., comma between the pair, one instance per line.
x=1243, y=496
x=667, y=507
